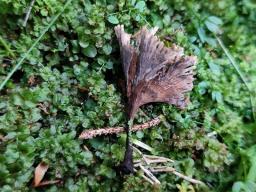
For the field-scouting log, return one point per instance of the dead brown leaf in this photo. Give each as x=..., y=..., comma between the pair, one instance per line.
x=40, y=171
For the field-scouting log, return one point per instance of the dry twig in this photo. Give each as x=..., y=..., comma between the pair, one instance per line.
x=87, y=134
x=189, y=179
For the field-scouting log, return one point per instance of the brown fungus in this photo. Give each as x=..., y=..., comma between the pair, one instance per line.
x=153, y=73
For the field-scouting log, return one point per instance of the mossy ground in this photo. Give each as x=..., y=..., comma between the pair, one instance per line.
x=71, y=82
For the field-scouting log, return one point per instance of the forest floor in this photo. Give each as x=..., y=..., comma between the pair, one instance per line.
x=61, y=74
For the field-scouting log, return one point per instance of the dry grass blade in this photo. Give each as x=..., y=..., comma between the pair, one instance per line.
x=150, y=175
x=191, y=180
x=162, y=169
x=150, y=164
x=148, y=180
x=158, y=160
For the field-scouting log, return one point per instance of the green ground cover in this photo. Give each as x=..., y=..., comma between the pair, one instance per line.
x=70, y=81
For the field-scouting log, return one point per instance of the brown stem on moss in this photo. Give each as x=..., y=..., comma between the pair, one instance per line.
x=87, y=134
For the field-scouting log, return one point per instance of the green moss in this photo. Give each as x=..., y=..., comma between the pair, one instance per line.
x=71, y=80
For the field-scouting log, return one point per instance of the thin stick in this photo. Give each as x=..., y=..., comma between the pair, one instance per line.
x=160, y=160
x=33, y=46
x=149, y=174
x=241, y=75
x=153, y=157
x=144, y=176
x=162, y=169
x=28, y=13
x=172, y=170
x=148, y=180
x=191, y=180
x=87, y=134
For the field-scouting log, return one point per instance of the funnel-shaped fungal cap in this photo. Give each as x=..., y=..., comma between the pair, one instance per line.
x=153, y=72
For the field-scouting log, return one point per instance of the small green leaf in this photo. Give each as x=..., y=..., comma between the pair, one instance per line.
x=215, y=20
x=212, y=27
x=214, y=68
x=107, y=49
x=213, y=24
x=211, y=41
x=83, y=44
x=90, y=51
x=202, y=87
x=35, y=115
x=17, y=100
x=44, y=12
x=106, y=171
x=240, y=186
x=140, y=6
x=140, y=134
x=113, y=19
x=201, y=34
x=137, y=18
x=10, y=135
x=11, y=155
x=109, y=65
x=217, y=96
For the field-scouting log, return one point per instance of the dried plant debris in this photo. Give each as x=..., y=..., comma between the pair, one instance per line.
x=150, y=164
x=153, y=72
x=88, y=134
x=40, y=171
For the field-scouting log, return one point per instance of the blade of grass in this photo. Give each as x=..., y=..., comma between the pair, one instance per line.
x=28, y=13
x=33, y=46
x=241, y=75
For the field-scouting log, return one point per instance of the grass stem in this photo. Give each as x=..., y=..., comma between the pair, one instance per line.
x=241, y=75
